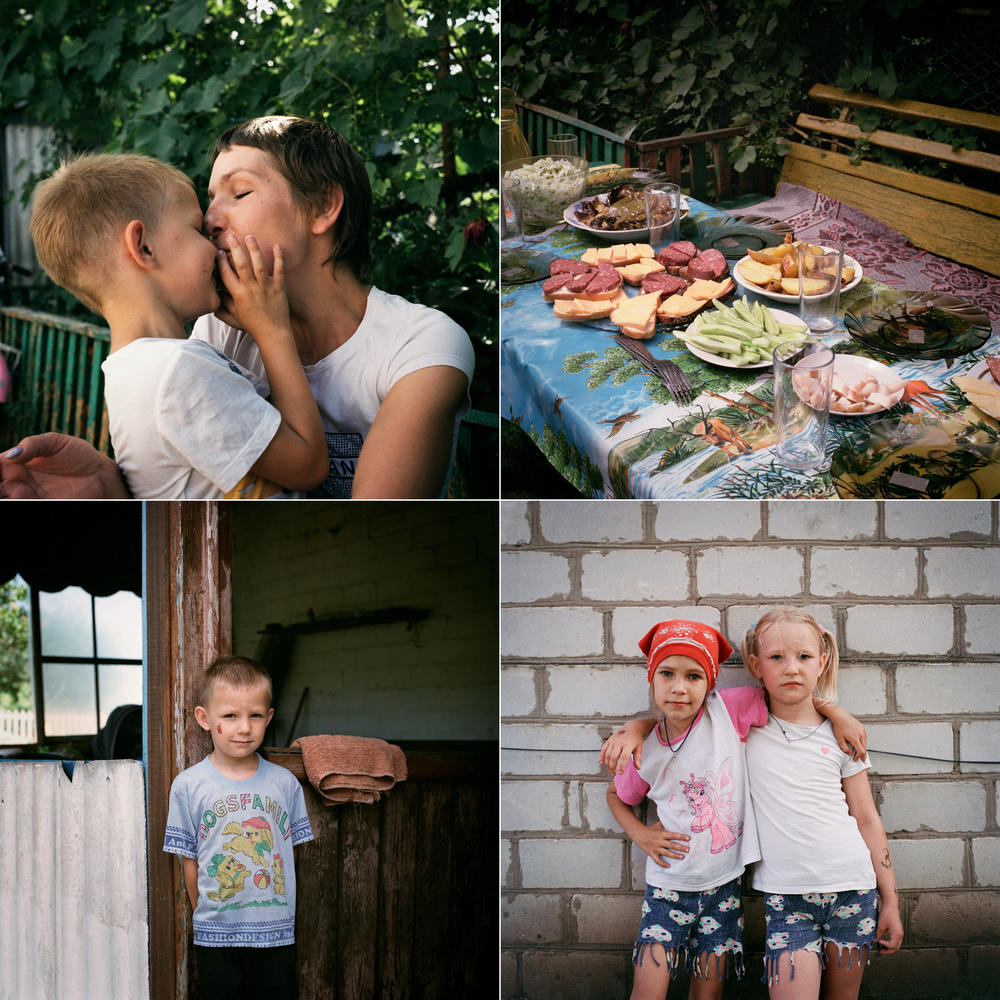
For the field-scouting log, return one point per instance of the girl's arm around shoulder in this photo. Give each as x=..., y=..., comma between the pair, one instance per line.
x=747, y=707
x=626, y=743
x=861, y=806
x=851, y=736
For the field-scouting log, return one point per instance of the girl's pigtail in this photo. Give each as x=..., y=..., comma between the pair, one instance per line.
x=827, y=685
x=748, y=645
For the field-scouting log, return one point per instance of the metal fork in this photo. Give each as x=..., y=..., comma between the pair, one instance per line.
x=669, y=373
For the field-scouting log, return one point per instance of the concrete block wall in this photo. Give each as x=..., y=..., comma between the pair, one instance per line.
x=911, y=590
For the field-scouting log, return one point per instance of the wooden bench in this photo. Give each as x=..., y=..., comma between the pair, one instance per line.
x=958, y=221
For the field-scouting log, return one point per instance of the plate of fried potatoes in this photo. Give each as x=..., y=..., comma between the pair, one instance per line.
x=774, y=272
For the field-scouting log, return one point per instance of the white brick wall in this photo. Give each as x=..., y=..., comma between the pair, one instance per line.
x=910, y=590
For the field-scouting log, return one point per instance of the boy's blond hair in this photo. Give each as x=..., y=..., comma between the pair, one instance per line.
x=80, y=210
x=237, y=671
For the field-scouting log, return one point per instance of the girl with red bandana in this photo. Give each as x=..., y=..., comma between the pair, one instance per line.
x=693, y=769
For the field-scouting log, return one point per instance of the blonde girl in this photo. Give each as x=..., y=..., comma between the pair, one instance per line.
x=824, y=851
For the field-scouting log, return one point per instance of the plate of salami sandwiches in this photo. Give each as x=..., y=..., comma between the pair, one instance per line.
x=670, y=286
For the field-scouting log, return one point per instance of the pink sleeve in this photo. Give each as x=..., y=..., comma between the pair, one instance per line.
x=746, y=707
x=630, y=787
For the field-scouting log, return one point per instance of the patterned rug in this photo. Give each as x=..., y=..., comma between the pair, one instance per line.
x=885, y=254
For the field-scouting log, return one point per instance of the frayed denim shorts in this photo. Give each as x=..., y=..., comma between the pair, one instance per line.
x=811, y=921
x=692, y=924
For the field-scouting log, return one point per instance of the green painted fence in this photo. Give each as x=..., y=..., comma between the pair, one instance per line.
x=57, y=382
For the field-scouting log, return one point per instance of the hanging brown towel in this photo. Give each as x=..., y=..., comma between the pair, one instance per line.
x=351, y=768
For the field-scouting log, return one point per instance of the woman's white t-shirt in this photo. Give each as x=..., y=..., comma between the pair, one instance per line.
x=809, y=842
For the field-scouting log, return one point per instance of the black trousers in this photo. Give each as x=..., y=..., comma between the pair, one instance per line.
x=247, y=973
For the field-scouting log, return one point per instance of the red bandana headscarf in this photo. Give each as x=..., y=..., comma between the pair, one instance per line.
x=702, y=643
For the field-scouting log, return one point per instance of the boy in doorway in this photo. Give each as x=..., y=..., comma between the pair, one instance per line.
x=234, y=819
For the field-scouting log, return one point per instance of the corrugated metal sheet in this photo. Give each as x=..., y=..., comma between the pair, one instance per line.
x=25, y=147
x=73, y=902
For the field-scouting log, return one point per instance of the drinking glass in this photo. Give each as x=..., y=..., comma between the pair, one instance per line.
x=511, y=211
x=663, y=212
x=803, y=373
x=563, y=144
x=819, y=285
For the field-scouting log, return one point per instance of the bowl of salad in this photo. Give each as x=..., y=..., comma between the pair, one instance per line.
x=548, y=185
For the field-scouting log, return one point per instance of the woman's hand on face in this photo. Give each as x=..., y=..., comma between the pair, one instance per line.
x=255, y=300
x=660, y=844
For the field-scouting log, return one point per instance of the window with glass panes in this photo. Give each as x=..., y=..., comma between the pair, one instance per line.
x=87, y=656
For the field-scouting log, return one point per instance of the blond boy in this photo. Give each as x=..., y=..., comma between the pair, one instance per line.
x=123, y=233
x=231, y=818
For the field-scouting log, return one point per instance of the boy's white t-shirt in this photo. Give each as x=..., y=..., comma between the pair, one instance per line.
x=185, y=421
x=702, y=790
x=395, y=338
x=809, y=841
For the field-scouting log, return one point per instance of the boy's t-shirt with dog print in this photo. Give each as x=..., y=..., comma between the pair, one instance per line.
x=241, y=833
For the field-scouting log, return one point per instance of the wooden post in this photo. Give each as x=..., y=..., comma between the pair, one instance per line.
x=187, y=586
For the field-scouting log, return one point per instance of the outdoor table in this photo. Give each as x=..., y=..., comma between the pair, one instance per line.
x=612, y=429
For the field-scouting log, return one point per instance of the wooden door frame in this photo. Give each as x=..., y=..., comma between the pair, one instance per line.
x=187, y=582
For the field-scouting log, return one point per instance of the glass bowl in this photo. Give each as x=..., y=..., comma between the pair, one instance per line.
x=548, y=185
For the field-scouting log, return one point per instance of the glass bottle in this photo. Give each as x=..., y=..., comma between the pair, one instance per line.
x=513, y=145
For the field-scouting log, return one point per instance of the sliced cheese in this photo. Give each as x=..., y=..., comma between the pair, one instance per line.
x=705, y=289
x=637, y=317
x=619, y=254
x=980, y=394
x=679, y=306
x=634, y=273
x=576, y=310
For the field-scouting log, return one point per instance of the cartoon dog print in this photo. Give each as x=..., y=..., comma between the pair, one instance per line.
x=279, y=875
x=230, y=875
x=252, y=838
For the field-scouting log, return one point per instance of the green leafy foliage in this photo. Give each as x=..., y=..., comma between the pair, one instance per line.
x=410, y=83
x=15, y=671
x=708, y=64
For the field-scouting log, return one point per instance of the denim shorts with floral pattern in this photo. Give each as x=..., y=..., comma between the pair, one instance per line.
x=809, y=922
x=692, y=924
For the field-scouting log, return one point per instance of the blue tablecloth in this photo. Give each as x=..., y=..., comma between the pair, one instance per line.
x=612, y=430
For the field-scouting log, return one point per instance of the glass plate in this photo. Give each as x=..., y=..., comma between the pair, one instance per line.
x=916, y=457
x=522, y=265
x=908, y=324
